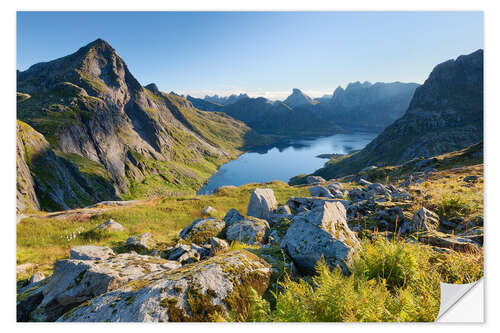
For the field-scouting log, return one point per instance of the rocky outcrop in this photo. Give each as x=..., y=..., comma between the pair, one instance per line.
x=262, y=203
x=423, y=220
x=90, y=252
x=143, y=242
x=444, y=115
x=75, y=281
x=201, y=230
x=321, y=232
x=197, y=292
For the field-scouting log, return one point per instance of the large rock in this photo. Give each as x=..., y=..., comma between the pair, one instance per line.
x=315, y=180
x=423, y=220
x=143, y=242
x=75, y=281
x=201, y=230
x=320, y=191
x=208, y=211
x=90, y=252
x=197, y=292
x=232, y=216
x=321, y=232
x=262, y=203
x=111, y=225
x=250, y=230
x=28, y=298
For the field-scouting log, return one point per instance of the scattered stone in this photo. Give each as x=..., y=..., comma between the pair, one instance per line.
x=90, y=252
x=216, y=286
x=321, y=232
x=201, y=230
x=460, y=244
x=311, y=180
x=209, y=211
x=141, y=242
x=320, y=191
x=177, y=251
x=471, y=179
x=423, y=220
x=250, y=230
x=189, y=257
x=217, y=245
x=111, y=225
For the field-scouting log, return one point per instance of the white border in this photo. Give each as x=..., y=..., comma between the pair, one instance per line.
x=7, y=132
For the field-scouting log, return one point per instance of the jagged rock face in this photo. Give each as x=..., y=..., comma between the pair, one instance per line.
x=298, y=98
x=91, y=109
x=46, y=180
x=366, y=105
x=445, y=114
x=196, y=292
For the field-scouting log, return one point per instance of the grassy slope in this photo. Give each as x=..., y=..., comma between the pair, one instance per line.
x=43, y=240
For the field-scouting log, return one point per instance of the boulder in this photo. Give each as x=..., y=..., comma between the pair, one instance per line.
x=321, y=232
x=75, y=281
x=177, y=251
x=250, y=230
x=232, y=216
x=90, y=252
x=28, y=299
x=189, y=257
x=217, y=245
x=471, y=179
x=262, y=203
x=320, y=191
x=456, y=243
x=423, y=220
x=208, y=211
x=336, y=186
x=111, y=225
x=201, y=230
x=143, y=242
x=198, y=292
x=37, y=277
x=315, y=180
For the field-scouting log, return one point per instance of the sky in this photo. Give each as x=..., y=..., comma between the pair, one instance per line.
x=260, y=53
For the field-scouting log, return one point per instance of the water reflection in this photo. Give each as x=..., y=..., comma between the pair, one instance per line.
x=284, y=160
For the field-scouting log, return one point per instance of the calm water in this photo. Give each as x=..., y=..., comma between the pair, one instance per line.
x=285, y=160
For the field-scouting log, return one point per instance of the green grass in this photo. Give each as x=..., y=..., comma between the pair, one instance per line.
x=43, y=240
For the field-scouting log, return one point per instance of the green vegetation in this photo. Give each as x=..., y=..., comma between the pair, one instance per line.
x=390, y=281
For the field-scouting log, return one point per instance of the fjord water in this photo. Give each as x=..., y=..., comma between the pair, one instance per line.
x=284, y=160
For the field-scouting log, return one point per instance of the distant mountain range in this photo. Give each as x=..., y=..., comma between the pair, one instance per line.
x=361, y=106
x=88, y=131
x=444, y=115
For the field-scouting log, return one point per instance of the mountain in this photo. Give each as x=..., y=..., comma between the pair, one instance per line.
x=204, y=105
x=367, y=106
x=225, y=100
x=93, y=118
x=444, y=115
x=279, y=119
x=298, y=98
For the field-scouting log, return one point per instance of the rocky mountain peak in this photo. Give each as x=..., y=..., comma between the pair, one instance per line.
x=297, y=98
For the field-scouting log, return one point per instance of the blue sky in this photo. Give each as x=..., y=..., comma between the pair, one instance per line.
x=263, y=53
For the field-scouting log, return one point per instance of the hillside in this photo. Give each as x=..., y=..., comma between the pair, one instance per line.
x=444, y=115
x=95, y=116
